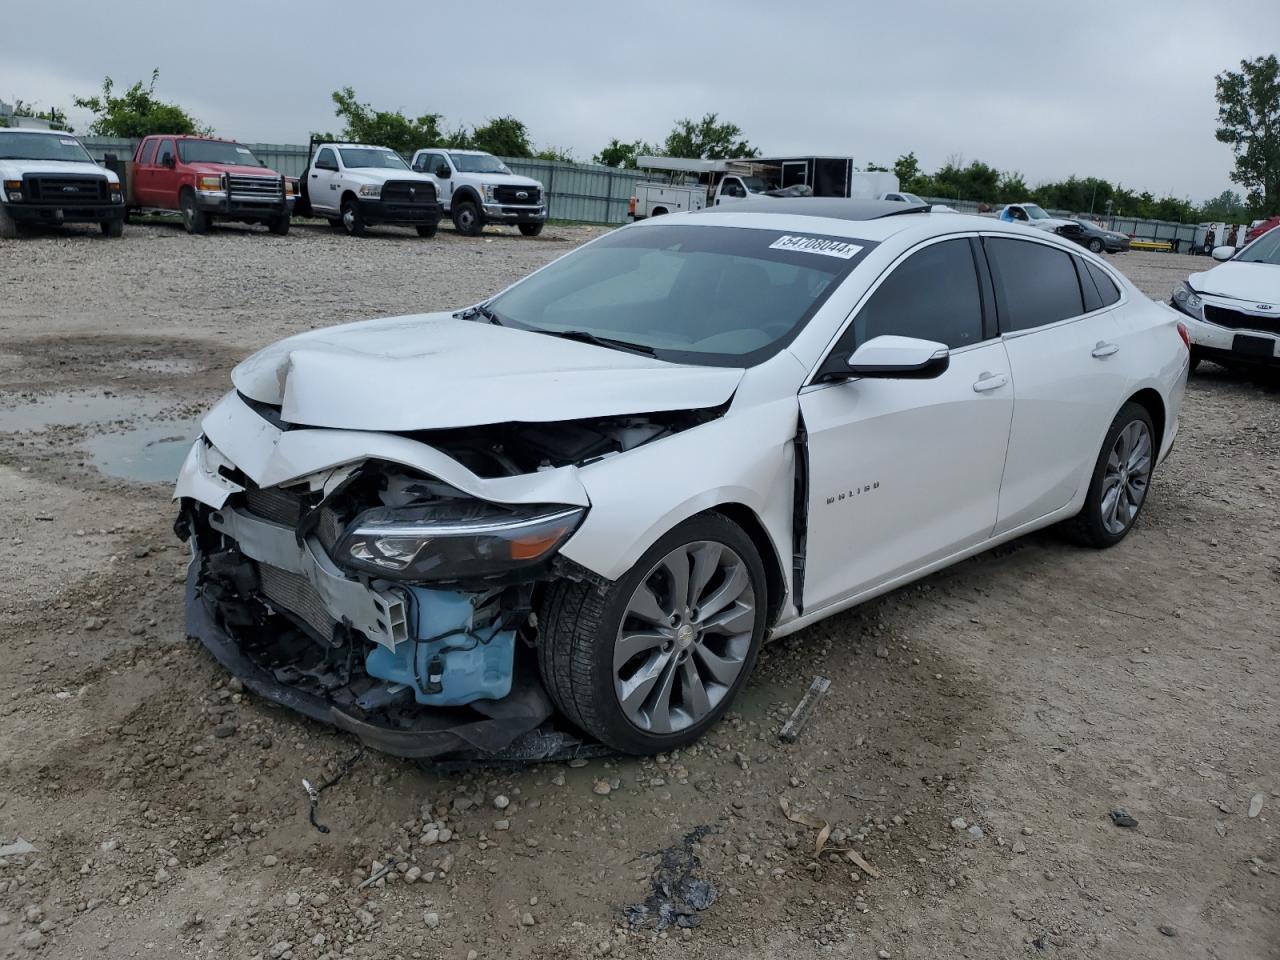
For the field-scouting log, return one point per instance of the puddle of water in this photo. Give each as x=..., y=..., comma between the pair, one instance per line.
x=150, y=454
x=75, y=408
x=167, y=367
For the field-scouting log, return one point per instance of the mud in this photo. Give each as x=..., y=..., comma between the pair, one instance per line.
x=1028, y=692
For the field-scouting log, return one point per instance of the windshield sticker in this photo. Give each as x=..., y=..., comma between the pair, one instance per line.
x=826, y=248
x=244, y=150
x=67, y=143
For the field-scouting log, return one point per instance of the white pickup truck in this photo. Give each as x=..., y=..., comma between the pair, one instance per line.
x=48, y=178
x=354, y=186
x=476, y=188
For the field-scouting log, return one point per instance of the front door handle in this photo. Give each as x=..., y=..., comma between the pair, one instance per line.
x=1103, y=349
x=990, y=381
x=315, y=176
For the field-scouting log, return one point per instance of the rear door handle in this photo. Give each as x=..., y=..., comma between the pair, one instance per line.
x=1103, y=349
x=989, y=381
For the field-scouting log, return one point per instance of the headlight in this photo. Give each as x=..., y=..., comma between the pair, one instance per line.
x=13, y=190
x=462, y=540
x=1188, y=301
x=373, y=190
x=488, y=193
x=209, y=182
x=290, y=187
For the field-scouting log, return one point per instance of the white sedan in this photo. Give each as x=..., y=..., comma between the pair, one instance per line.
x=601, y=490
x=1233, y=310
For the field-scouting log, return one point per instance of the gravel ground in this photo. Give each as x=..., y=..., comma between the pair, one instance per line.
x=980, y=727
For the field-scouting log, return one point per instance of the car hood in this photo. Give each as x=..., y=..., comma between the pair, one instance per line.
x=380, y=175
x=433, y=371
x=236, y=169
x=15, y=169
x=1259, y=282
x=503, y=179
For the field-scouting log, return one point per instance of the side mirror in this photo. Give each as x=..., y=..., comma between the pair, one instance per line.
x=443, y=171
x=166, y=160
x=1224, y=252
x=902, y=358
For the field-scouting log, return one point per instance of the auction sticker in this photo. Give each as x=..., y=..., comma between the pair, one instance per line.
x=826, y=248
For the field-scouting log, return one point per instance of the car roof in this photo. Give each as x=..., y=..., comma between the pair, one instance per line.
x=475, y=153
x=44, y=130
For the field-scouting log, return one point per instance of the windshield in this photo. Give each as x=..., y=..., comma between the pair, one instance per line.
x=375, y=157
x=911, y=198
x=721, y=296
x=42, y=146
x=1266, y=249
x=216, y=151
x=1034, y=212
x=478, y=163
x=756, y=185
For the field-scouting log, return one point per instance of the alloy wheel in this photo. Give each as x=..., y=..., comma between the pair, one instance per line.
x=1127, y=477
x=684, y=637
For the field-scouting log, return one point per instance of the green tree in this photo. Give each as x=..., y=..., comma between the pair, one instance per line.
x=708, y=138
x=907, y=169
x=557, y=154
x=1249, y=120
x=1011, y=188
x=977, y=181
x=503, y=137
x=384, y=128
x=619, y=154
x=1227, y=206
x=136, y=113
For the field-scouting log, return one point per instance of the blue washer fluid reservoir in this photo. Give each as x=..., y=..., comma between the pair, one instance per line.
x=482, y=672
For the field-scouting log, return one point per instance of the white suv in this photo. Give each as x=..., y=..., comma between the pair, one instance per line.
x=476, y=188
x=355, y=186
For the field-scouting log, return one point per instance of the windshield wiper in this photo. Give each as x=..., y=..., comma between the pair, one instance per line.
x=479, y=310
x=584, y=336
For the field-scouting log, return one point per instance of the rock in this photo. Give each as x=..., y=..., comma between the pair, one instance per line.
x=33, y=914
x=883, y=654
x=578, y=762
x=502, y=825
x=1255, y=805
x=1027, y=831
x=883, y=954
x=526, y=919
x=430, y=837
x=1120, y=817
x=224, y=730
x=412, y=874
x=501, y=802
x=445, y=834
x=975, y=831
x=106, y=846
x=320, y=899
x=431, y=919
x=279, y=947
x=462, y=804
x=94, y=623
x=269, y=861
x=1019, y=847
x=162, y=875
x=31, y=940
x=968, y=926
x=446, y=864
x=601, y=788
x=959, y=823
x=235, y=686
x=558, y=780
x=292, y=898
x=1167, y=930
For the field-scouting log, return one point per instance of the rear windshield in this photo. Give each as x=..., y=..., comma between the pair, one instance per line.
x=42, y=146
x=722, y=296
x=366, y=157
x=216, y=151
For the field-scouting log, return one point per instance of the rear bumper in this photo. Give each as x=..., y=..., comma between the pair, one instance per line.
x=499, y=213
x=41, y=213
x=418, y=214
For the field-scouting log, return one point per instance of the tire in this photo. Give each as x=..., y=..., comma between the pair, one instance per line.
x=302, y=205
x=1196, y=358
x=352, y=221
x=530, y=229
x=1095, y=245
x=8, y=226
x=427, y=230
x=1097, y=525
x=467, y=219
x=280, y=225
x=194, y=220
x=112, y=228
x=336, y=223
x=581, y=627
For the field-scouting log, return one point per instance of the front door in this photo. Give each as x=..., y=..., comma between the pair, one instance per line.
x=903, y=472
x=322, y=179
x=164, y=177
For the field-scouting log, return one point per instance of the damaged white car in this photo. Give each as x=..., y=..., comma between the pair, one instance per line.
x=595, y=495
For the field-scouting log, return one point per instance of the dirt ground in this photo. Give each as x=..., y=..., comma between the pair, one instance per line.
x=1027, y=693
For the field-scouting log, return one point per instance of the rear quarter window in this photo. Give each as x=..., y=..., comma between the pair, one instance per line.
x=1107, y=288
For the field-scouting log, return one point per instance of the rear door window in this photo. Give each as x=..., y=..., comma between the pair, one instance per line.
x=1036, y=284
x=148, y=155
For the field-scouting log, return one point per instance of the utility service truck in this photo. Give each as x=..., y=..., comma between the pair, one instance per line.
x=682, y=184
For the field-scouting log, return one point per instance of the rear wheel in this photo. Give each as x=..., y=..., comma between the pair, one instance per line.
x=280, y=225
x=112, y=228
x=352, y=221
x=467, y=219
x=427, y=230
x=336, y=223
x=653, y=660
x=1121, y=479
x=531, y=229
x=194, y=220
x=1095, y=245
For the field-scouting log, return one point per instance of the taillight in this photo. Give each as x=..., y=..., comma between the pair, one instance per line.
x=631, y=207
x=1185, y=334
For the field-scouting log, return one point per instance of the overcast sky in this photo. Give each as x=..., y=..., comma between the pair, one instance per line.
x=1118, y=90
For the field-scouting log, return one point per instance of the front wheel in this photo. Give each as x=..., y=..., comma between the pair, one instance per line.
x=352, y=221
x=1095, y=245
x=1120, y=481
x=194, y=220
x=280, y=225
x=653, y=660
x=467, y=219
x=8, y=226
x=112, y=228
x=427, y=230
x=530, y=229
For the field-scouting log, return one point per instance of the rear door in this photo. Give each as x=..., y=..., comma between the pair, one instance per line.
x=1068, y=380
x=906, y=472
x=144, y=164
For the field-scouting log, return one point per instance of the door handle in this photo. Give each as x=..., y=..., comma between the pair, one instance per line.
x=989, y=381
x=1103, y=349
x=315, y=176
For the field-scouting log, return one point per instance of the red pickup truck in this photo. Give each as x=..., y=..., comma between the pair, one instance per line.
x=205, y=179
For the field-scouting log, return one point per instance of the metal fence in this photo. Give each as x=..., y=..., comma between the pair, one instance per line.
x=586, y=192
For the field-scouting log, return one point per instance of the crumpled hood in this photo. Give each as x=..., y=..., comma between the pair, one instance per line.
x=15, y=169
x=1259, y=282
x=432, y=371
